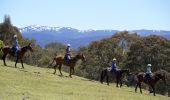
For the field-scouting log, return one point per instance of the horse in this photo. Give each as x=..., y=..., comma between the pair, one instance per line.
x=20, y=54
x=61, y=61
x=118, y=74
x=152, y=82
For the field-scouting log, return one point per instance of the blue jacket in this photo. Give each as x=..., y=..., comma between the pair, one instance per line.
x=114, y=66
x=16, y=44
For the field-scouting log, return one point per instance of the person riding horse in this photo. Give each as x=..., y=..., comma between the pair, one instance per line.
x=113, y=70
x=68, y=54
x=114, y=67
x=15, y=47
x=148, y=74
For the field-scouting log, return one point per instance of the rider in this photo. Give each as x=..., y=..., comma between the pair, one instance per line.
x=68, y=55
x=114, y=66
x=15, y=45
x=148, y=73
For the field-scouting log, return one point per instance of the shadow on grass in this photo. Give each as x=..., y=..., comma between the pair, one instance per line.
x=23, y=70
x=89, y=80
x=9, y=66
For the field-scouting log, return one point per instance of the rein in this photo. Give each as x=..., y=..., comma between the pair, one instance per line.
x=158, y=77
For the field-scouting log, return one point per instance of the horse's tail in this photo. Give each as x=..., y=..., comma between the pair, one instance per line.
x=51, y=63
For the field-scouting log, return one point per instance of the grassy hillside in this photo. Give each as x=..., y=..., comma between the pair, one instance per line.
x=34, y=83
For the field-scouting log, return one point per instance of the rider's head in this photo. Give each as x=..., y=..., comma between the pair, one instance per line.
x=68, y=45
x=15, y=36
x=149, y=65
x=114, y=59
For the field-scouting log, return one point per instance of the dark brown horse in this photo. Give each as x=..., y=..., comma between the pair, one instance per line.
x=20, y=54
x=61, y=61
x=118, y=74
x=152, y=82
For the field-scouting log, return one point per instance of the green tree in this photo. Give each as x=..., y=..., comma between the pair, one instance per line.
x=7, y=31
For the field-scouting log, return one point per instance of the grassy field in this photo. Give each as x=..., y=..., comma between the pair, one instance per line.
x=34, y=83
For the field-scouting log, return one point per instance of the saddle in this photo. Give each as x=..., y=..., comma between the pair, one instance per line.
x=109, y=69
x=148, y=77
x=14, y=49
x=67, y=58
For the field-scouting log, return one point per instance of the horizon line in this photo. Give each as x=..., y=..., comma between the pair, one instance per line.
x=93, y=28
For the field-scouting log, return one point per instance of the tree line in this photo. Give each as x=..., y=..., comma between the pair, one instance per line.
x=131, y=51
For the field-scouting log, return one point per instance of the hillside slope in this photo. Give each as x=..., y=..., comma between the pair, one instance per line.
x=34, y=83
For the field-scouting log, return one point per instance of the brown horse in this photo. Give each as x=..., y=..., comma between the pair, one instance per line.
x=118, y=74
x=60, y=60
x=155, y=78
x=20, y=54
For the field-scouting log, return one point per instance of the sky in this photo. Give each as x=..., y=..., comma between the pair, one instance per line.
x=89, y=14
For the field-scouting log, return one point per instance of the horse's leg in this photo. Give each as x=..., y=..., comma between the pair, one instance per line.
x=101, y=77
x=117, y=81
x=107, y=78
x=4, y=57
x=22, y=63
x=70, y=72
x=55, y=68
x=60, y=65
x=73, y=70
x=136, y=87
x=153, y=90
x=120, y=82
x=140, y=88
x=150, y=89
x=16, y=63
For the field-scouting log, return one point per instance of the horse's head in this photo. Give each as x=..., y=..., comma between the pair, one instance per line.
x=81, y=56
x=161, y=76
x=29, y=47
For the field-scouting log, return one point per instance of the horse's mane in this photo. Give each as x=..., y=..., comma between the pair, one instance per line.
x=160, y=72
x=22, y=48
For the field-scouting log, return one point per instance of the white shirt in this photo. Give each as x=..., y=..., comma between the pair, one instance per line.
x=148, y=70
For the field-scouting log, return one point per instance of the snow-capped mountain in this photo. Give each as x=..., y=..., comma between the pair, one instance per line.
x=39, y=28
x=46, y=34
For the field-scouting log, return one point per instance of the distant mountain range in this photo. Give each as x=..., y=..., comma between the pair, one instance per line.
x=45, y=34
